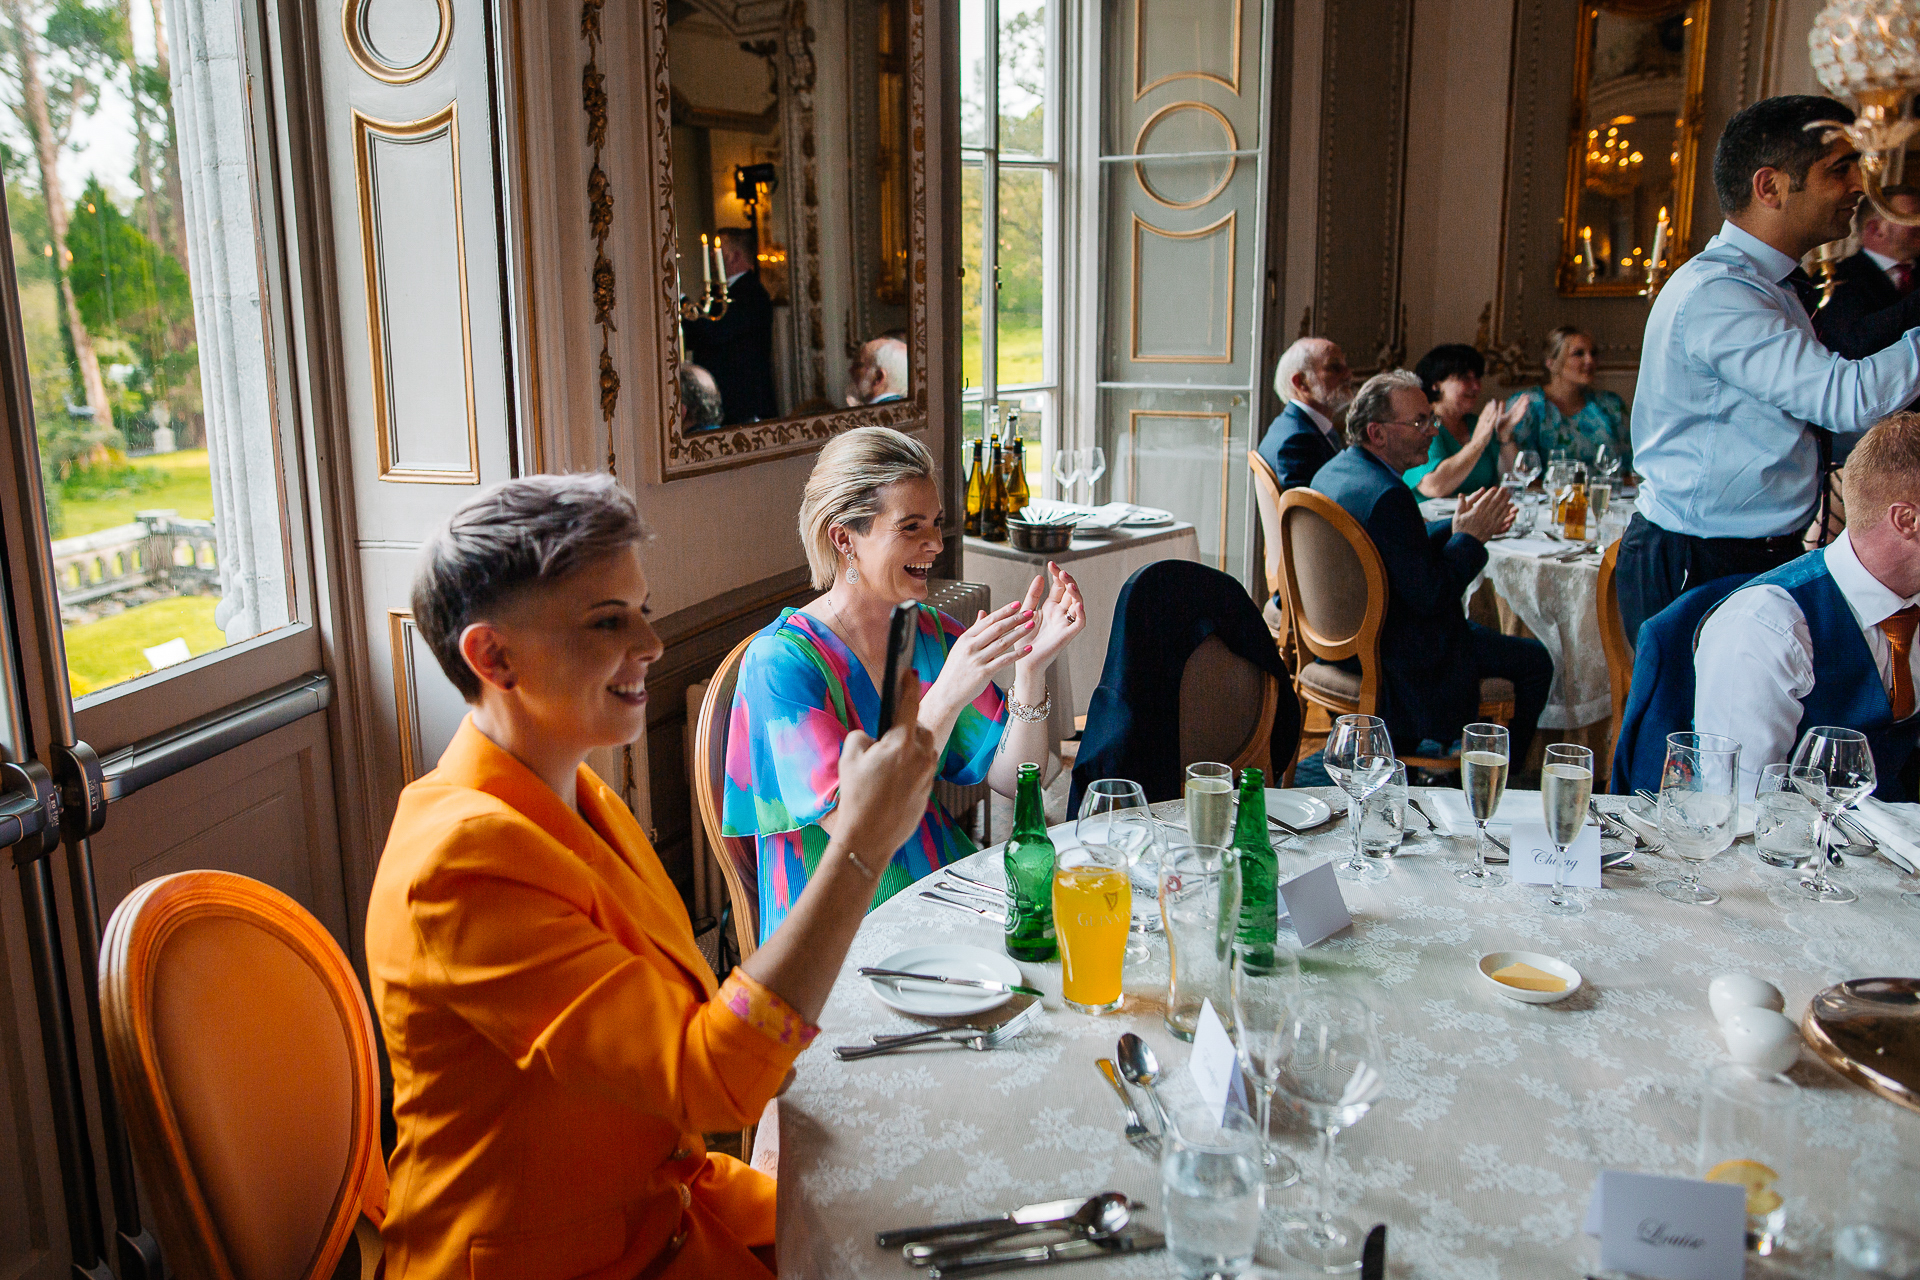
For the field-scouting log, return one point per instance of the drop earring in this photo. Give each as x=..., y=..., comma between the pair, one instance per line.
x=853, y=574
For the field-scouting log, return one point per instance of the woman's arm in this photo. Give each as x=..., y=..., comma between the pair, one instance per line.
x=1059, y=615
x=1449, y=474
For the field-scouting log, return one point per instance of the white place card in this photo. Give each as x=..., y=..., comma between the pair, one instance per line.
x=1313, y=900
x=1215, y=1064
x=1531, y=861
x=1669, y=1228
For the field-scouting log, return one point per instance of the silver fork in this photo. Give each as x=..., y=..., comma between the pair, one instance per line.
x=967, y=904
x=1142, y=1138
x=966, y=1037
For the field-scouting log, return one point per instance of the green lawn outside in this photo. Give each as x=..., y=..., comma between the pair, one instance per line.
x=107, y=652
x=1021, y=358
x=186, y=487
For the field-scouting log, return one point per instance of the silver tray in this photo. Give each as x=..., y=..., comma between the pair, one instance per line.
x=1868, y=1029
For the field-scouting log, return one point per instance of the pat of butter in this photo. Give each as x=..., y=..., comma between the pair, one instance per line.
x=1528, y=978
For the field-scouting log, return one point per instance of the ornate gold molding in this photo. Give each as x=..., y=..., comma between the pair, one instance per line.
x=406, y=711
x=1141, y=90
x=593, y=100
x=353, y=28
x=1133, y=308
x=1233, y=162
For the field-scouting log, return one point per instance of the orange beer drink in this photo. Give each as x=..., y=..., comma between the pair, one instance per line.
x=1092, y=907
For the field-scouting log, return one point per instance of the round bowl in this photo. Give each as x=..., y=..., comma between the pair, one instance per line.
x=1729, y=993
x=1546, y=964
x=1039, y=537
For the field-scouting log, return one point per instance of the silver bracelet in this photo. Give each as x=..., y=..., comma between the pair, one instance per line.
x=1022, y=711
x=855, y=860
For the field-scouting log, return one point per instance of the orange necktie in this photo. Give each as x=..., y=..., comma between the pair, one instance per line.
x=1899, y=633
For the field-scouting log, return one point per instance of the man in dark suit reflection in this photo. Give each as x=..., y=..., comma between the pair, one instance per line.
x=1313, y=378
x=1875, y=301
x=737, y=349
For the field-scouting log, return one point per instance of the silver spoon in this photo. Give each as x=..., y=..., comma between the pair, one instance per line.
x=1099, y=1218
x=1140, y=1067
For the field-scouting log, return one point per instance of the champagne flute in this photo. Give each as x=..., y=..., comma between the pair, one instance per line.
x=1114, y=814
x=1359, y=756
x=1329, y=1075
x=1484, y=754
x=1699, y=807
x=1263, y=996
x=1094, y=467
x=1566, y=784
x=1833, y=767
x=1209, y=802
x=1066, y=471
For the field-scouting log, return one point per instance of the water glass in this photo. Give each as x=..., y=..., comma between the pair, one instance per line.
x=1699, y=807
x=1200, y=906
x=1833, y=767
x=1263, y=998
x=1330, y=1075
x=1526, y=467
x=1384, y=823
x=1877, y=1235
x=1783, y=819
x=1359, y=756
x=1749, y=1130
x=1211, y=1190
x=1209, y=796
x=1114, y=813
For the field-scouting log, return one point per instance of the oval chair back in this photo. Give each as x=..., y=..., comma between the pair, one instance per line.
x=738, y=855
x=1227, y=707
x=1335, y=587
x=242, y=1054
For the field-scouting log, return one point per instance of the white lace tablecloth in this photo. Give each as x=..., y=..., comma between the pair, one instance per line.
x=1497, y=1115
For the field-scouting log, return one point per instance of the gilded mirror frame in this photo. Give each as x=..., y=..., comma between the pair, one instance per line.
x=681, y=456
x=1687, y=138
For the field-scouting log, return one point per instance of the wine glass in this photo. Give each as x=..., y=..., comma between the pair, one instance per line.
x=1114, y=814
x=1359, y=756
x=1566, y=784
x=1833, y=767
x=1329, y=1075
x=1699, y=807
x=1606, y=461
x=1094, y=466
x=1484, y=753
x=1066, y=471
x=1526, y=467
x=1263, y=996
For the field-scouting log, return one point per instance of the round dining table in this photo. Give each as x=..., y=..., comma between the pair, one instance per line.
x=1497, y=1115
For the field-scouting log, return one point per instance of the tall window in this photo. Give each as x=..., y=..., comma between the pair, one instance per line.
x=1009, y=191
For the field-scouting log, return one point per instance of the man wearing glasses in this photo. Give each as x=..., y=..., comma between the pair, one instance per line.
x=1432, y=658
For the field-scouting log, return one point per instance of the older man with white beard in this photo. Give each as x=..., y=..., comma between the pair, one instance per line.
x=1313, y=378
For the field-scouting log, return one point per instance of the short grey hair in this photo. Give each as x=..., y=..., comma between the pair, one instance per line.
x=1374, y=402
x=700, y=398
x=1298, y=358
x=510, y=539
x=844, y=489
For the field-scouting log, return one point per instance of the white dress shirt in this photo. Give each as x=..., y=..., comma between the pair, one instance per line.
x=1731, y=376
x=1754, y=660
x=1323, y=422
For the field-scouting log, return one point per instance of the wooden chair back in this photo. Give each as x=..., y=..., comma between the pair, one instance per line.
x=1615, y=643
x=242, y=1054
x=1227, y=707
x=1335, y=587
x=1266, y=496
x=738, y=856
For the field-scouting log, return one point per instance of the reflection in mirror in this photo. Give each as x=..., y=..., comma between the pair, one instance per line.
x=792, y=208
x=1638, y=64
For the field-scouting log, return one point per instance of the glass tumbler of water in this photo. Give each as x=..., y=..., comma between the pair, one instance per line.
x=1212, y=1190
x=1209, y=802
x=1383, y=824
x=1783, y=819
x=1876, y=1234
x=1200, y=906
x=1749, y=1130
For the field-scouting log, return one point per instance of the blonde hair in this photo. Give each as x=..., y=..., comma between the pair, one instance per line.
x=1883, y=469
x=1557, y=343
x=844, y=489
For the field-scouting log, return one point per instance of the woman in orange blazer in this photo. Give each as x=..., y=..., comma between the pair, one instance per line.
x=558, y=1044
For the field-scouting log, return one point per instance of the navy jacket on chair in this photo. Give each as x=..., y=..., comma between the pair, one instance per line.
x=1660, y=700
x=1295, y=448
x=1165, y=611
x=1428, y=685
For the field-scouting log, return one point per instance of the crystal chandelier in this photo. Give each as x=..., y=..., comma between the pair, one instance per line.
x=1869, y=51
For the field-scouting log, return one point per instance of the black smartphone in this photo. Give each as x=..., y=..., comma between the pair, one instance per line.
x=900, y=629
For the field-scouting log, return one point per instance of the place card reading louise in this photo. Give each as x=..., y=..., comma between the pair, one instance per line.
x=1669, y=1228
x=1531, y=861
x=1313, y=900
x=1215, y=1064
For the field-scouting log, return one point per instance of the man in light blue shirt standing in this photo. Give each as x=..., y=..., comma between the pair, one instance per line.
x=1736, y=393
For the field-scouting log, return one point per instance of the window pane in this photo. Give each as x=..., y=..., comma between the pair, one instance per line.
x=131, y=244
x=972, y=237
x=1023, y=277
x=973, y=73
x=1023, y=76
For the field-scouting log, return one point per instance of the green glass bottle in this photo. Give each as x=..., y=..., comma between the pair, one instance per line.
x=1029, y=864
x=1259, y=871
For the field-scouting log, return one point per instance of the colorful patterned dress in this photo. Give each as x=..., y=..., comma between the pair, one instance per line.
x=1547, y=431
x=800, y=692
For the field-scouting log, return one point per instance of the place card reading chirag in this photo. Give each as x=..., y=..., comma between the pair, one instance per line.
x=1531, y=860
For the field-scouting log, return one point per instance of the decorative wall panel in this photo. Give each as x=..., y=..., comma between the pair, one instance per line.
x=429, y=707
x=413, y=242
x=1197, y=266
x=1182, y=460
x=1186, y=40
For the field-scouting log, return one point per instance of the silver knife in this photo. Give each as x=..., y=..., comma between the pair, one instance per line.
x=1041, y=1212
x=958, y=874
x=1855, y=833
x=902, y=975
x=1041, y=1255
x=963, y=905
x=969, y=889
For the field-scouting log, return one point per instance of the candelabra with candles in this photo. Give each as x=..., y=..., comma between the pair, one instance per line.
x=1869, y=51
x=711, y=306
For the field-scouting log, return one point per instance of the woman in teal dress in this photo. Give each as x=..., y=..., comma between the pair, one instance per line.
x=871, y=522
x=1569, y=416
x=1467, y=454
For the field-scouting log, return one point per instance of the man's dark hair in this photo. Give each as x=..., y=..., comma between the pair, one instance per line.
x=740, y=238
x=517, y=535
x=1448, y=360
x=700, y=399
x=1772, y=134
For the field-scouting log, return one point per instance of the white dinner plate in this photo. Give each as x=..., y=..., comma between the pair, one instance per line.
x=1297, y=809
x=955, y=961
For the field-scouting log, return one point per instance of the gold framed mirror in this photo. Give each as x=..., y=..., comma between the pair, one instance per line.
x=1632, y=145
x=792, y=171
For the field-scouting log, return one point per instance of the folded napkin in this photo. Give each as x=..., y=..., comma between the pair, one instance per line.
x=1531, y=546
x=1886, y=825
x=1449, y=808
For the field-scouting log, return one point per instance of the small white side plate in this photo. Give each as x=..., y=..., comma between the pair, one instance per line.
x=1546, y=964
x=1298, y=809
x=955, y=961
